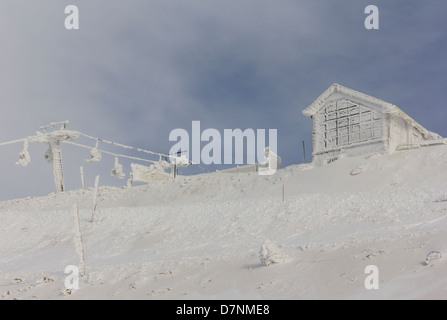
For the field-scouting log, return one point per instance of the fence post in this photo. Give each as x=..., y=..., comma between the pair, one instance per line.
x=304, y=152
x=95, y=198
x=82, y=177
x=78, y=241
x=283, y=193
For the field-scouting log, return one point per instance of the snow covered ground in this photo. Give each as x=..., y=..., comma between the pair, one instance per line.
x=200, y=237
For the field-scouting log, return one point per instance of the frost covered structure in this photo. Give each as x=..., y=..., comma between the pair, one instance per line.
x=351, y=123
x=271, y=162
x=54, y=139
x=270, y=254
x=150, y=174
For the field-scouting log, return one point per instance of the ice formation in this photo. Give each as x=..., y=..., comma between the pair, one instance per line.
x=24, y=157
x=270, y=254
x=117, y=170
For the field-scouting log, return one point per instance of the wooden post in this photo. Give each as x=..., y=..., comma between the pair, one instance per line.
x=95, y=198
x=304, y=152
x=174, y=170
x=78, y=242
x=82, y=177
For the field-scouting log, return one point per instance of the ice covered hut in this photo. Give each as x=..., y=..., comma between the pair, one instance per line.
x=350, y=123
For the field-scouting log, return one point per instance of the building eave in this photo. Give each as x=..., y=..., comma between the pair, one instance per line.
x=337, y=88
x=386, y=107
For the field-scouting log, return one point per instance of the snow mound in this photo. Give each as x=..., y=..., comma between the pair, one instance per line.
x=270, y=254
x=199, y=237
x=357, y=170
x=433, y=257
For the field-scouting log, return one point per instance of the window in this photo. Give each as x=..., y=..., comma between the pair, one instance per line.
x=344, y=122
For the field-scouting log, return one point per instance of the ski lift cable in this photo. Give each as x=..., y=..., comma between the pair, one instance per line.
x=108, y=152
x=102, y=140
x=105, y=141
x=12, y=142
x=54, y=124
x=124, y=146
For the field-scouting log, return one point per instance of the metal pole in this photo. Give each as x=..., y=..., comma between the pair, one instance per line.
x=57, y=165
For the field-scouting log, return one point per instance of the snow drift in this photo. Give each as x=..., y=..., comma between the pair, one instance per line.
x=199, y=237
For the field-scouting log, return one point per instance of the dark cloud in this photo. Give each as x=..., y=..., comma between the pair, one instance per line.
x=136, y=70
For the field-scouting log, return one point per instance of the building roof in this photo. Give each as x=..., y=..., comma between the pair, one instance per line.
x=385, y=107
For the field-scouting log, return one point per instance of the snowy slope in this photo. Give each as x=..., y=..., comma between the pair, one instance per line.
x=199, y=237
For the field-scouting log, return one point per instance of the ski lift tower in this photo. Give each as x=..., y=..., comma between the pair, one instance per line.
x=53, y=139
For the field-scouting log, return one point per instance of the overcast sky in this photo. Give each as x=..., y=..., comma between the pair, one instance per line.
x=135, y=70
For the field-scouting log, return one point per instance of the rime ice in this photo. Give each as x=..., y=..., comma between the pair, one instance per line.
x=350, y=123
